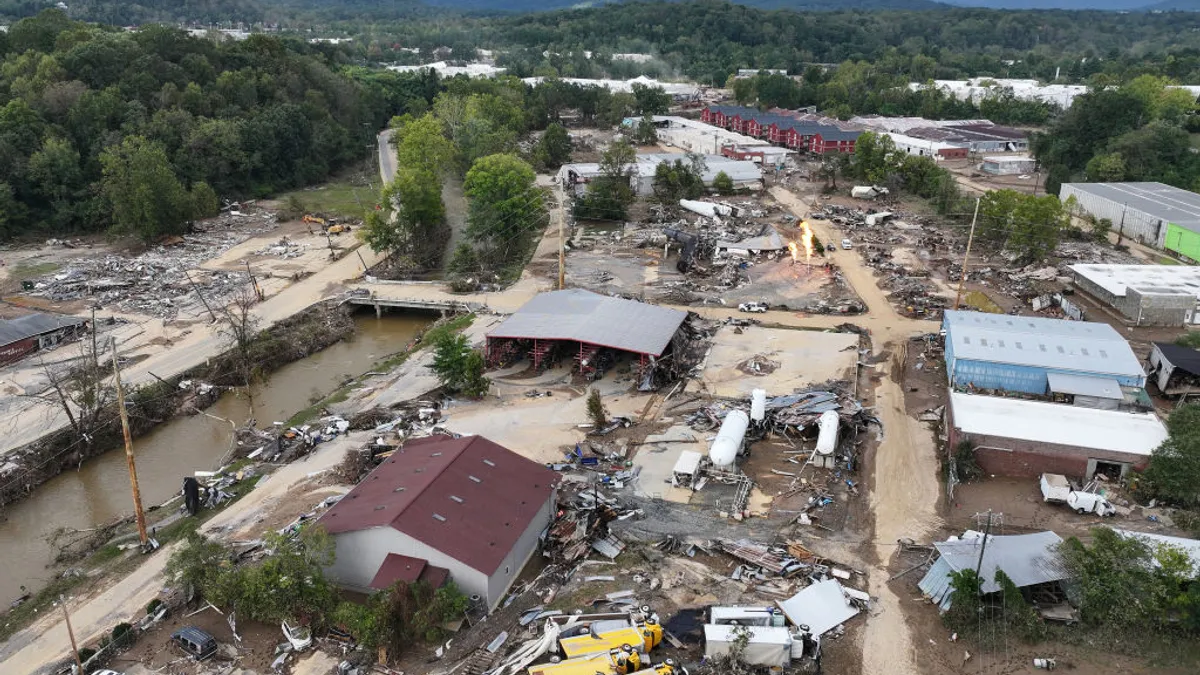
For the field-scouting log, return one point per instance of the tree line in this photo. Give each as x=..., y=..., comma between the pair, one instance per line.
x=143, y=131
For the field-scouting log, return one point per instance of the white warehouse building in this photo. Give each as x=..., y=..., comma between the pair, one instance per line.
x=1154, y=214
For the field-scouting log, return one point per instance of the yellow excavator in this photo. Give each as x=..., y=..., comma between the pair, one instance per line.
x=667, y=667
x=308, y=218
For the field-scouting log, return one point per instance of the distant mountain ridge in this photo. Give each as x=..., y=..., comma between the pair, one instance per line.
x=519, y=6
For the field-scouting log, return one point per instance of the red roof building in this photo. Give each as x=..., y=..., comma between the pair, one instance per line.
x=465, y=508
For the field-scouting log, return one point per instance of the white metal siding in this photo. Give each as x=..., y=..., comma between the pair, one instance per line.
x=360, y=553
x=520, y=554
x=1138, y=224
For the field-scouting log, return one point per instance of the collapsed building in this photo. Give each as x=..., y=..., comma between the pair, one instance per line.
x=1174, y=370
x=25, y=335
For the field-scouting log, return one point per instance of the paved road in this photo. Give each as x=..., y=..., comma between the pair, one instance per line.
x=387, y=156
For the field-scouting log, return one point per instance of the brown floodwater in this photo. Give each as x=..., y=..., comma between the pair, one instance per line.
x=99, y=491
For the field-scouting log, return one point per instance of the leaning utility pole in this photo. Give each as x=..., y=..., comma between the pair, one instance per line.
x=1121, y=228
x=70, y=633
x=970, y=238
x=137, y=493
x=201, y=296
x=562, y=244
x=986, y=532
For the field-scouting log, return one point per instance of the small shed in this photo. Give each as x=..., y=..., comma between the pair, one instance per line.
x=1028, y=559
x=1174, y=369
x=33, y=332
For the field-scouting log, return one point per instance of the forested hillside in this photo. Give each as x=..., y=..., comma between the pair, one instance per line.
x=86, y=112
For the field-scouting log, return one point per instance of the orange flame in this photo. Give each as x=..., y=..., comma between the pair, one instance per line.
x=806, y=238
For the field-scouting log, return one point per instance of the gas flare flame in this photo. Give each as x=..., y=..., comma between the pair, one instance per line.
x=795, y=251
x=806, y=238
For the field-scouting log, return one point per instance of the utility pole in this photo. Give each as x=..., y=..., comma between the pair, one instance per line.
x=137, y=493
x=970, y=238
x=62, y=602
x=986, y=531
x=562, y=243
x=1121, y=227
x=254, y=282
x=95, y=351
x=201, y=296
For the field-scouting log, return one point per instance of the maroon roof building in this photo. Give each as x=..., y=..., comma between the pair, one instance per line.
x=441, y=508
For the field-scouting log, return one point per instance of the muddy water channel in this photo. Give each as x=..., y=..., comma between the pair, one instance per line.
x=99, y=491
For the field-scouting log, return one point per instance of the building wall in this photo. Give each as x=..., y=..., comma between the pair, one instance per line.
x=15, y=351
x=1017, y=378
x=521, y=552
x=1029, y=459
x=1182, y=241
x=1139, y=225
x=360, y=553
x=1143, y=309
x=1165, y=368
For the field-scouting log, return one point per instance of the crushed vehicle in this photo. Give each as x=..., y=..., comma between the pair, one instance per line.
x=753, y=307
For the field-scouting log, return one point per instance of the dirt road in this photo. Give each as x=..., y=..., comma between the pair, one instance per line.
x=904, y=488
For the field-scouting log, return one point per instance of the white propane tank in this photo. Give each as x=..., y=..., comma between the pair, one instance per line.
x=725, y=446
x=758, y=405
x=828, y=437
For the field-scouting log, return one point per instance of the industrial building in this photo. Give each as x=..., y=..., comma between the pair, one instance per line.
x=979, y=136
x=1019, y=353
x=1174, y=370
x=463, y=508
x=926, y=148
x=1008, y=165
x=25, y=335
x=745, y=174
x=1015, y=437
x=1146, y=295
x=578, y=324
x=680, y=92
x=698, y=137
x=1154, y=214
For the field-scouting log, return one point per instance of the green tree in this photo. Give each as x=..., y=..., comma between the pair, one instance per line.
x=1174, y=470
x=504, y=208
x=650, y=100
x=1026, y=225
x=411, y=222
x=1107, y=168
x=554, y=148
x=147, y=199
x=645, y=133
x=675, y=181
x=421, y=143
x=459, y=367
x=609, y=195
x=722, y=183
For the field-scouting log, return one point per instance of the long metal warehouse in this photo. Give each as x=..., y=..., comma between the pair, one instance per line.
x=593, y=321
x=1154, y=214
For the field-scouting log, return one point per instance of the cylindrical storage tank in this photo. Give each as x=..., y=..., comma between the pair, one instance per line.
x=725, y=446
x=758, y=405
x=828, y=437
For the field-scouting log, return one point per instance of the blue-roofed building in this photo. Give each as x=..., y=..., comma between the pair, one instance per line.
x=1019, y=353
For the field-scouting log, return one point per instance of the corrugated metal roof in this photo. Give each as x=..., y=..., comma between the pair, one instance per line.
x=1083, y=346
x=466, y=497
x=1057, y=423
x=1158, y=200
x=936, y=584
x=1189, y=546
x=14, y=330
x=1027, y=559
x=583, y=316
x=1083, y=385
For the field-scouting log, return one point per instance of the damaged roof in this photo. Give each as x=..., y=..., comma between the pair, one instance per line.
x=467, y=497
x=582, y=316
x=1183, y=358
x=15, y=330
x=1027, y=559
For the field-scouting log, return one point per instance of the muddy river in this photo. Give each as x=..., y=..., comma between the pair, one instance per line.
x=99, y=491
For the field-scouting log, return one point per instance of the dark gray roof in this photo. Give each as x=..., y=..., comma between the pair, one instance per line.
x=1158, y=200
x=583, y=316
x=1027, y=559
x=15, y=330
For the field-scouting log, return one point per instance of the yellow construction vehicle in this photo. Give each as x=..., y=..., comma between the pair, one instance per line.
x=337, y=228
x=313, y=219
x=644, y=635
x=667, y=667
x=621, y=661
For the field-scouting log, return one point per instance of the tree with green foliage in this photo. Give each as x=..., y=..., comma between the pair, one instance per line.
x=610, y=194
x=1107, y=168
x=505, y=209
x=650, y=100
x=459, y=367
x=554, y=147
x=402, y=616
x=411, y=223
x=722, y=183
x=595, y=409
x=1026, y=225
x=645, y=133
x=677, y=180
x=421, y=144
x=1174, y=471
x=147, y=199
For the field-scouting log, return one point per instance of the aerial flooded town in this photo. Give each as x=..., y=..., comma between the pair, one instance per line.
x=648, y=338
